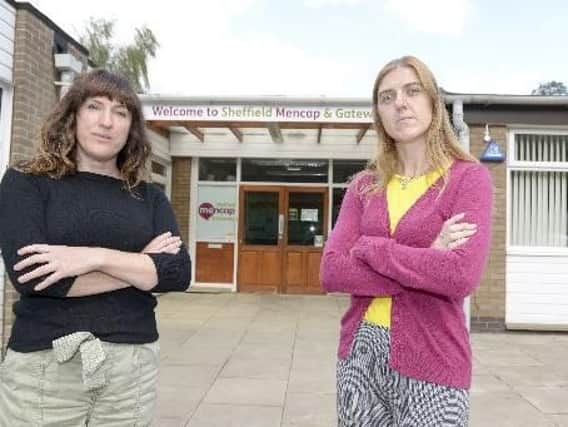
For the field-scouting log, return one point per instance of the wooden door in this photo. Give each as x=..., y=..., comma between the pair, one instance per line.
x=305, y=231
x=281, y=235
x=260, y=238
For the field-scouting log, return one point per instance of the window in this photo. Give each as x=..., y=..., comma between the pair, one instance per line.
x=261, y=218
x=161, y=186
x=158, y=168
x=343, y=170
x=217, y=169
x=539, y=189
x=161, y=171
x=285, y=170
x=337, y=199
x=305, y=218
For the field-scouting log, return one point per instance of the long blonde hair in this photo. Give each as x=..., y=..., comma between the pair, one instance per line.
x=442, y=145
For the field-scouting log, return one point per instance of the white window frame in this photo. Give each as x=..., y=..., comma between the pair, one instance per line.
x=194, y=189
x=6, y=110
x=5, y=126
x=517, y=165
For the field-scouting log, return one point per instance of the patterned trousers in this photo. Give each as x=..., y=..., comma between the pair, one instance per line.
x=371, y=394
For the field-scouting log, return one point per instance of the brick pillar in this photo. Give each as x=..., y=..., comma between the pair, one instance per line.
x=181, y=185
x=488, y=302
x=34, y=97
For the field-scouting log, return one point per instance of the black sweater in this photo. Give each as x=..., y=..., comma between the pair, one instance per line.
x=85, y=209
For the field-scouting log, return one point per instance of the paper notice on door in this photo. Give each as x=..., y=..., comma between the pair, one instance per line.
x=309, y=215
x=318, y=240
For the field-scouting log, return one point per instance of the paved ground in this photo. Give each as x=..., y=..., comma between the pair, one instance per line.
x=246, y=360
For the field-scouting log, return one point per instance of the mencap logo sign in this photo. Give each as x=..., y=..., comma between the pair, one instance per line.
x=207, y=210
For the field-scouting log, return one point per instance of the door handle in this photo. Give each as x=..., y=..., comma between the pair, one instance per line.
x=280, y=226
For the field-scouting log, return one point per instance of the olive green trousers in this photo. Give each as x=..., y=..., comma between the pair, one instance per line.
x=39, y=389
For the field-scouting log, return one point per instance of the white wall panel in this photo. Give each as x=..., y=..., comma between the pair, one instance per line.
x=7, y=35
x=537, y=292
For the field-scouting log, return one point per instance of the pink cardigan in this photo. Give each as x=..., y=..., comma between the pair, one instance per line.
x=429, y=339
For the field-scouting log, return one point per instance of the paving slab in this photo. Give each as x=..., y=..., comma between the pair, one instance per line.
x=257, y=360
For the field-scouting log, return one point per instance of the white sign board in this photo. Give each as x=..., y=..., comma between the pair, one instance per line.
x=309, y=215
x=258, y=113
x=216, y=213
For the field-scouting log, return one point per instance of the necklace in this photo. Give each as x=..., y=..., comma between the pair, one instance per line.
x=405, y=180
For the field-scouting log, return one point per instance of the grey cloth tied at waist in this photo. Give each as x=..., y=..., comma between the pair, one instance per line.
x=92, y=356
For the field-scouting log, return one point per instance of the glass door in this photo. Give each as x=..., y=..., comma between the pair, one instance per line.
x=306, y=222
x=281, y=235
x=261, y=232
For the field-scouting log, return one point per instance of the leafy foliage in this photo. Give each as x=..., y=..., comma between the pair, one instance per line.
x=131, y=60
x=550, y=88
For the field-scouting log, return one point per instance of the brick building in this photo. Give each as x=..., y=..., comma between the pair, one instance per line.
x=257, y=182
x=38, y=59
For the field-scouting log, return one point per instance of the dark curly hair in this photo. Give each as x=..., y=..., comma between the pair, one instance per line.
x=56, y=153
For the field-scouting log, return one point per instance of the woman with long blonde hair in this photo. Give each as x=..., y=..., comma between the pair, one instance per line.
x=410, y=243
x=86, y=242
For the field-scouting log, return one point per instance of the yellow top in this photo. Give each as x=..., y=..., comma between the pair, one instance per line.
x=402, y=193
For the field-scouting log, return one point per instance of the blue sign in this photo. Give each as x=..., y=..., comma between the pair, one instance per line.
x=492, y=152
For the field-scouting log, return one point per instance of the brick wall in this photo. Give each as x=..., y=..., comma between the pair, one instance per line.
x=181, y=184
x=34, y=96
x=34, y=74
x=488, y=302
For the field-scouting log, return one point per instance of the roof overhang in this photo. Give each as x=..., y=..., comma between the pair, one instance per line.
x=275, y=115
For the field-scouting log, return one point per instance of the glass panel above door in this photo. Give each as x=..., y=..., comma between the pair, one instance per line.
x=343, y=170
x=305, y=218
x=285, y=170
x=217, y=169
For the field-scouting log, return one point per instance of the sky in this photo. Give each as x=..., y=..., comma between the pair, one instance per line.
x=334, y=48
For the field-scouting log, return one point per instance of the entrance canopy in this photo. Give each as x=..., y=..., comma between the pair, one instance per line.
x=278, y=118
x=291, y=119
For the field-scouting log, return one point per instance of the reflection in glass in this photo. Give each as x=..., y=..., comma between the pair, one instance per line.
x=338, y=194
x=305, y=218
x=160, y=185
x=285, y=170
x=217, y=169
x=261, y=218
x=158, y=168
x=343, y=170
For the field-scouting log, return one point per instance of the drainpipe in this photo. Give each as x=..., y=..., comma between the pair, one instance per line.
x=460, y=126
x=462, y=131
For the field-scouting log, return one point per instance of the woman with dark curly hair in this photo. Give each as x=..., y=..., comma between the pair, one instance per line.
x=86, y=241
